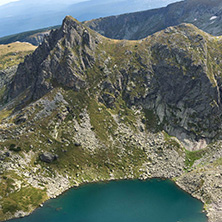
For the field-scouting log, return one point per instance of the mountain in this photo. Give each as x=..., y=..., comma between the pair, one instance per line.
x=25, y=15
x=34, y=37
x=85, y=108
x=205, y=14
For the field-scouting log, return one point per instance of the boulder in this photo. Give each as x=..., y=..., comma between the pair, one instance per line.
x=48, y=157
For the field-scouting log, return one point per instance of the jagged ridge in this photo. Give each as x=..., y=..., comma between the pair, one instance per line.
x=175, y=73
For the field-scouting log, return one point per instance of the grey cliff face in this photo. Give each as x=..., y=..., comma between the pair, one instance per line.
x=183, y=95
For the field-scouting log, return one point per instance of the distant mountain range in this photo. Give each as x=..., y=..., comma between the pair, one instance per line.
x=25, y=15
x=205, y=14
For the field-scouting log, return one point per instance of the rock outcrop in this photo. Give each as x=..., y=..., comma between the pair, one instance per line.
x=48, y=157
x=63, y=57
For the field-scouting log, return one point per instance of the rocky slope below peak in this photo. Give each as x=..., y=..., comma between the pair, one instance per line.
x=175, y=74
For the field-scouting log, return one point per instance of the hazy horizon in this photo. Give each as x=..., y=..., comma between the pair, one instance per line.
x=24, y=15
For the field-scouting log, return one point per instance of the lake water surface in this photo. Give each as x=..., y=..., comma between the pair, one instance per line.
x=121, y=201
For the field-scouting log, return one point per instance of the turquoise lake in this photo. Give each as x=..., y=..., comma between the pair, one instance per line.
x=121, y=201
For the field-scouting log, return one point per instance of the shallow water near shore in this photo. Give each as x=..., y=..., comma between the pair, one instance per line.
x=121, y=201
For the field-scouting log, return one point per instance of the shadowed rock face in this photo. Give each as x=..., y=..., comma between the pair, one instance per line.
x=175, y=73
x=185, y=96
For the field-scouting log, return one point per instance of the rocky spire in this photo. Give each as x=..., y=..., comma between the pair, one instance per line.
x=60, y=59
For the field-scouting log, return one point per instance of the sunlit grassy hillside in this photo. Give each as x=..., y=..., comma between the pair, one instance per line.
x=14, y=53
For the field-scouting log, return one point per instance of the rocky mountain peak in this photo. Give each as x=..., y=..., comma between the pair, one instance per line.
x=75, y=33
x=60, y=59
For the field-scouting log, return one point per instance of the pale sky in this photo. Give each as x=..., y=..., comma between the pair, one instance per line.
x=24, y=15
x=3, y=2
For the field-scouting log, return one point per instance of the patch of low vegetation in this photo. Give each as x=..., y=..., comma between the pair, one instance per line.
x=2, y=92
x=18, y=197
x=218, y=162
x=152, y=121
x=26, y=199
x=125, y=114
x=4, y=114
x=192, y=156
x=174, y=143
x=14, y=53
x=15, y=148
x=101, y=120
